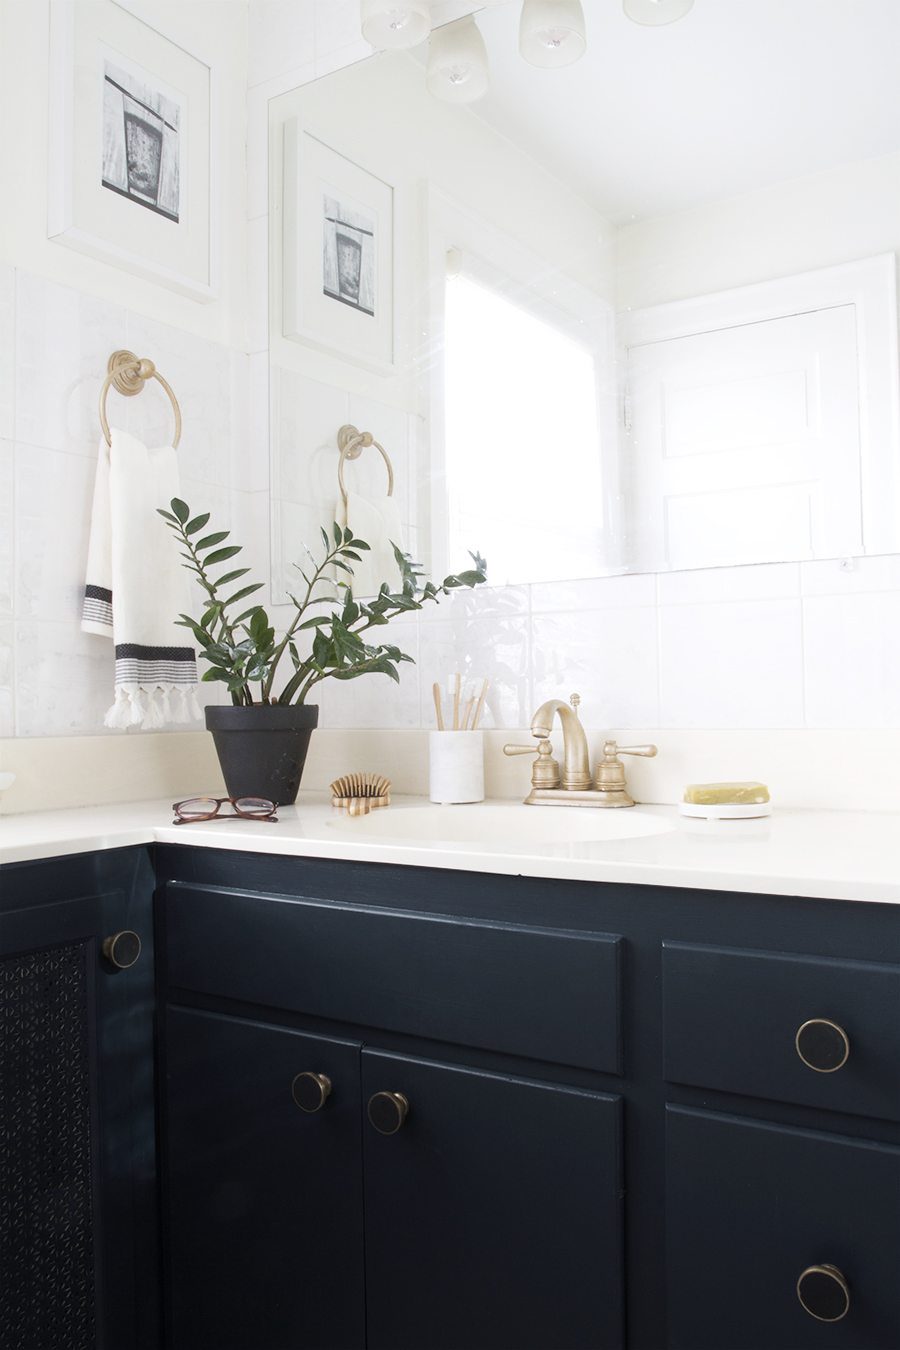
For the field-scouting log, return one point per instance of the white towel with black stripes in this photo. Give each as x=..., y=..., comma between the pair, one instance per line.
x=136, y=586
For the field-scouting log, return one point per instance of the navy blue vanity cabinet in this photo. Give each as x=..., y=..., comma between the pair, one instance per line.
x=580, y=1117
x=263, y=1185
x=779, y=1235
x=78, y=1221
x=459, y=1184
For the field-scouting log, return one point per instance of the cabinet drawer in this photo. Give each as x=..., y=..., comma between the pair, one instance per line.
x=750, y=1207
x=543, y=993
x=732, y=1018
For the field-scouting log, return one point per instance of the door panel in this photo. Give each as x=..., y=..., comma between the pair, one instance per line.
x=264, y=1199
x=493, y=1215
x=749, y=1207
x=745, y=442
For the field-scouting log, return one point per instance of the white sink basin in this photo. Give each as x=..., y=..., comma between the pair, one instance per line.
x=504, y=825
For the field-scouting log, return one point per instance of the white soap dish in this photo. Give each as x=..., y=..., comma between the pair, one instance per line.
x=725, y=810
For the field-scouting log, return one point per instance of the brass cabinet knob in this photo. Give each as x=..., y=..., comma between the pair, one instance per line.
x=823, y=1292
x=822, y=1045
x=387, y=1111
x=122, y=949
x=309, y=1090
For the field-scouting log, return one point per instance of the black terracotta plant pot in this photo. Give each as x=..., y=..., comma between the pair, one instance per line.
x=262, y=749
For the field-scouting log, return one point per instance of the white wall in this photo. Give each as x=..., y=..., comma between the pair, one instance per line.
x=791, y=646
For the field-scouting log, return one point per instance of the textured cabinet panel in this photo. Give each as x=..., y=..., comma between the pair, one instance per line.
x=542, y=993
x=493, y=1215
x=749, y=1206
x=731, y=1018
x=264, y=1200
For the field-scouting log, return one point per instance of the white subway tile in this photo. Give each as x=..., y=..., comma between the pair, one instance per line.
x=731, y=665
x=837, y=576
x=759, y=581
x=7, y=679
x=7, y=529
x=7, y=350
x=476, y=602
x=593, y=593
x=494, y=648
x=368, y=474
x=187, y=363
x=53, y=497
x=337, y=25
x=610, y=659
x=232, y=419
x=852, y=649
x=375, y=700
x=343, y=56
x=258, y=442
x=281, y=36
x=63, y=342
x=307, y=416
x=64, y=680
x=258, y=284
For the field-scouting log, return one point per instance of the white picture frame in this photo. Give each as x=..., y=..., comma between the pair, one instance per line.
x=338, y=270
x=133, y=146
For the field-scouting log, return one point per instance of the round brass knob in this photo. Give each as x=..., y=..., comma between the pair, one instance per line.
x=387, y=1111
x=122, y=949
x=309, y=1090
x=823, y=1292
x=822, y=1045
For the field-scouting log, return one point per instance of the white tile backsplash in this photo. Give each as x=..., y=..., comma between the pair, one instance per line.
x=7, y=528
x=852, y=659
x=764, y=581
x=731, y=665
x=64, y=339
x=54, y=493
x=7, y=350
x=608, y=657
x=187, y=363
x=851, y=576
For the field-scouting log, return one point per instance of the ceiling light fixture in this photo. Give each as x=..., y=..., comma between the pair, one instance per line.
x=457, y=62
x=395, y=24
x=654, y=13
x=551, y=32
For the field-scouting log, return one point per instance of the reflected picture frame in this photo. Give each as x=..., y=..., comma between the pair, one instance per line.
x=133, y=146
x=338, y=252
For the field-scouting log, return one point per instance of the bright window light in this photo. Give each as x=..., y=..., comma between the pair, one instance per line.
x=523, y=468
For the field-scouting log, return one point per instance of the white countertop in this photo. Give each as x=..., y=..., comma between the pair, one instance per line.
x=836, y=855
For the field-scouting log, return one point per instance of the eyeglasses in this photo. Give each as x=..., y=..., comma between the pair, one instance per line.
x=207, y=808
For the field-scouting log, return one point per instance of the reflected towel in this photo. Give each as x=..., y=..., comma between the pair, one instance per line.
x=136, y=587
x=377, y=521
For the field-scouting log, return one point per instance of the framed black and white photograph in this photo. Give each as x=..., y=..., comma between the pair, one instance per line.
x=338, y=252
x=133, y=145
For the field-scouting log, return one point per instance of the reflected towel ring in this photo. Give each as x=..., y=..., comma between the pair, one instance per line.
x=352, y=443
x=128, y=374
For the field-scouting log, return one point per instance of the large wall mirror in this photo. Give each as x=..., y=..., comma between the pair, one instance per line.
x=635, y=314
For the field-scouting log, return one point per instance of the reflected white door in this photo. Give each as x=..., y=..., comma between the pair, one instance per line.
x=744, y=443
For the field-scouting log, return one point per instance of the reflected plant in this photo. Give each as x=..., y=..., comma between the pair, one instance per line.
x=244, y=650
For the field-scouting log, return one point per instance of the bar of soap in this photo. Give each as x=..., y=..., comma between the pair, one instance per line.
x=726, y=794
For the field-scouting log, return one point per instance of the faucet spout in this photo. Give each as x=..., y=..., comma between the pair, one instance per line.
x=577, y=769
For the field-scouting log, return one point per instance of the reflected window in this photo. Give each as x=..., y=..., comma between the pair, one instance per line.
x=522, y=452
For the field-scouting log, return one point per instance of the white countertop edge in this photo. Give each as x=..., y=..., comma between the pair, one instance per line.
x=797, y=861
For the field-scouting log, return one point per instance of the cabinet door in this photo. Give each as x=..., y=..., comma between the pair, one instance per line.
x=78, y=1231
x=751, y=1206
x=493, y=1214
x=265, y=1239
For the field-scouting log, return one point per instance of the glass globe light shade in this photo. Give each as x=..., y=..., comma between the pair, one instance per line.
x=551, y=32
x=654, y=13
x=457, y=62
x=394, y=24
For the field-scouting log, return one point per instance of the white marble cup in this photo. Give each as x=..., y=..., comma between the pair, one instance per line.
x=456, y=766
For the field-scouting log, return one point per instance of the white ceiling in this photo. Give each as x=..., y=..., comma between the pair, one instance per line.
x=736, y=95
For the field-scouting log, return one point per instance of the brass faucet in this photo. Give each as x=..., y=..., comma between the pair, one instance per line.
x=578, y=788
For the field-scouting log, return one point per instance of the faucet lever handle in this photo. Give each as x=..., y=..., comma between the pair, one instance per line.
x=522, y=749
x=610, y=749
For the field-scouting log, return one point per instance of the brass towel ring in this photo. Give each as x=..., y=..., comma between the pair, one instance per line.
x=352, y=443
x=128, y=374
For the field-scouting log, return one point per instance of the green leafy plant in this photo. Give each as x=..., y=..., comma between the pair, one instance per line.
x=243, y=648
